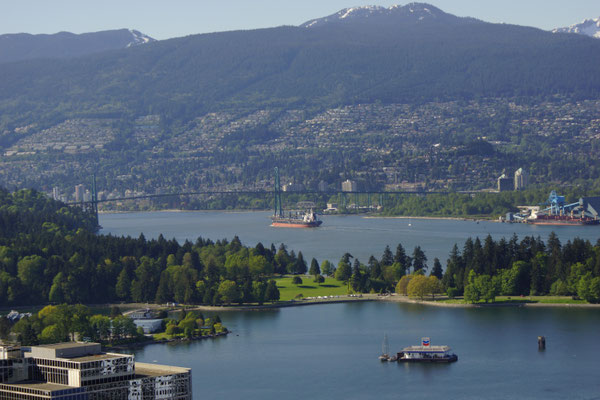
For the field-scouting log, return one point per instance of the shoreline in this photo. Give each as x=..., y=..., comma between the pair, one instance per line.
x=145, y=343
x=389, y=299
x=434, y=303
x=427, y=218
x=238, y=211
x=128, y=308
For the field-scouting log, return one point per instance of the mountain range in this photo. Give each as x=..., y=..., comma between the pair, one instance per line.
x=404, y=54
x=23, y=46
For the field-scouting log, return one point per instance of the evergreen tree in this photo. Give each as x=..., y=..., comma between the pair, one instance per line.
x=453, y=276
x=419, y=260
x=401, y=257
x=314, y=267
x=437, y=269
x=554, y=251
x=490, y=263
x=355, y=279
x=301, y=267
x=387, y=258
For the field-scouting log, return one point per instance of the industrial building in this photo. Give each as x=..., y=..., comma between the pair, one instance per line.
x=81, y=371
x=590, y=206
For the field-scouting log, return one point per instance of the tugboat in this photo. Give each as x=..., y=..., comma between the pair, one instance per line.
x=427, y=353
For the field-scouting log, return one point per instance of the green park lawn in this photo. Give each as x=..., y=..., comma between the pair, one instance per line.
x=309, y=288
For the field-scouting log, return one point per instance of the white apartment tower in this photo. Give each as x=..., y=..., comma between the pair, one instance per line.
x=520, y=179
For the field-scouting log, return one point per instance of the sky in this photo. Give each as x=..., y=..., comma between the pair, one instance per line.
x=164, y=19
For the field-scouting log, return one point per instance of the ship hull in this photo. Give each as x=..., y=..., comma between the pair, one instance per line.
x=448, y=359
x=563, y=222
x=295, y=224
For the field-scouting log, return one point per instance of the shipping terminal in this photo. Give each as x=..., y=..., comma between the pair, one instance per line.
x=556, y=211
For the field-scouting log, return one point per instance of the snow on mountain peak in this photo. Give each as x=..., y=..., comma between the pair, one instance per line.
x=419, y=11
x=138, y=38
x=589, y=27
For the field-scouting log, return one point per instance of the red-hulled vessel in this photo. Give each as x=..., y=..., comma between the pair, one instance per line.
x=297, y=220
x=543, y=219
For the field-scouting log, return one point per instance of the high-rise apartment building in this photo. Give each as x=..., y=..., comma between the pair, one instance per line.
x=349, y=186
x=521, y=179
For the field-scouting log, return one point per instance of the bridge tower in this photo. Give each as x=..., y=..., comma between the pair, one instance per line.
x=95, y=200
x=277, y=192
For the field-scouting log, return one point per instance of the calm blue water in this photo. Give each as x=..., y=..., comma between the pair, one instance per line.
x=330, y=351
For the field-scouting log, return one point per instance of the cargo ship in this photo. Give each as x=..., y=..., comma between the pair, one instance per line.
x=297, y=220
x=558, y=212
x=543, y=219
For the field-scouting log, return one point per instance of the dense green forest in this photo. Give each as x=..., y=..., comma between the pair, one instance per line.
x=529, y=267
x=50, y=253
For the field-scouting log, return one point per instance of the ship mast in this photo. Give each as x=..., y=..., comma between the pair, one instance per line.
x=385, y=348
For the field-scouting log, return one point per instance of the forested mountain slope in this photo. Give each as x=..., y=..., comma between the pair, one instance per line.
x=404, y=62
x=23, y=46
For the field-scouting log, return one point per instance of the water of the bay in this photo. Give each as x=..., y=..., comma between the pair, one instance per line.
x=330, y=351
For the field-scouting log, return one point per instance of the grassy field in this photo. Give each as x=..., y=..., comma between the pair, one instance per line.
x=308, y=288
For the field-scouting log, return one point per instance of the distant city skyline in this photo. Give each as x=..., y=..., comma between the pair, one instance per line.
x=163, y=20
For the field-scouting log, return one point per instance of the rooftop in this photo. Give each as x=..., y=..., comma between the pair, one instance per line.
x=426, y=349
x=65, y=345
x=98, y=357
x=37, y=385
x=143, y=370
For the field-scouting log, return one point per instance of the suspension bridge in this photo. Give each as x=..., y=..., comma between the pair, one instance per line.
x=343, y=196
